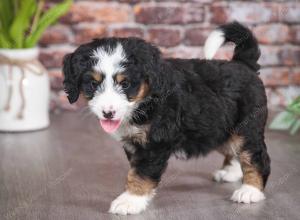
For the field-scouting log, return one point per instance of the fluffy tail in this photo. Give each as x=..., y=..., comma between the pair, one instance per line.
x=246, y=50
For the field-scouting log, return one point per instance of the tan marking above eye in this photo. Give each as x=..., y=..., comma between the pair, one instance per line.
x=120, y=77
x=97, y=76
x=142, y=93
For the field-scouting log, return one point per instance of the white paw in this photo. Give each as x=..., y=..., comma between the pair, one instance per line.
x=247, y=194
x=230, y=173
x=127, y=203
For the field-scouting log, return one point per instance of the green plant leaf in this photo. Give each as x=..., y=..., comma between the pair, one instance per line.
x=47, y=19
x=6, y=17
x=295, y=127
x=21, y=22
x=283, y=121
x=295, y=108
x=6, y=14
x=4, y=41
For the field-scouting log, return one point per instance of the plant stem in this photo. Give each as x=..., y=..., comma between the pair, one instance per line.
x=16, y=7
x=37, y=15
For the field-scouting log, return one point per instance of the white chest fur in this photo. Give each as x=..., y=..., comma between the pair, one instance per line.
x=135, y=133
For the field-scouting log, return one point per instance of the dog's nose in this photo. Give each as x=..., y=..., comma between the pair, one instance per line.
x=108, y=114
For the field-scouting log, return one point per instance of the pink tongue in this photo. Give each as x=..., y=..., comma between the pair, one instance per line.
x=110, y=126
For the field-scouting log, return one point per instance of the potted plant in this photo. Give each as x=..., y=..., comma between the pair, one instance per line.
x=24, y=83
x=289, y=119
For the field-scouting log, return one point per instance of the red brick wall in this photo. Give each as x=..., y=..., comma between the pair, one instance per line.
x=180, y=29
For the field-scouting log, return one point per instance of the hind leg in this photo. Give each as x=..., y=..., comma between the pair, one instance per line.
x=231, y=170
x=255, y=164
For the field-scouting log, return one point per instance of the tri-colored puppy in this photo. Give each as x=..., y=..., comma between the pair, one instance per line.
x=158, y=107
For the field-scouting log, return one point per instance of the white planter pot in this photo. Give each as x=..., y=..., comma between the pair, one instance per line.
x=24, y=91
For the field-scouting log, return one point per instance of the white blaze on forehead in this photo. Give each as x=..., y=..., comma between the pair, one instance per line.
x=109, y=96
x=109, y=62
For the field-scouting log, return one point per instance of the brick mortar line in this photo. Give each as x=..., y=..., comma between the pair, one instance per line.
x=258, y=3
x=58, y=47
x=276, y=66
x=163, y=4
x=100, y=4
x=286, y=45
x=283, y=46
x=186, y=26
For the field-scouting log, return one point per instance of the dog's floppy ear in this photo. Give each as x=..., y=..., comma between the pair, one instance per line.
x=150, y=56
x=71, y=81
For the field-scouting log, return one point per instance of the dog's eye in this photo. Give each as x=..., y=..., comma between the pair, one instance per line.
x=94, y=84
x=125, y=84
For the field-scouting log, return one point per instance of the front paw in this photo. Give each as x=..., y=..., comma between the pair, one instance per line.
x=127, y=203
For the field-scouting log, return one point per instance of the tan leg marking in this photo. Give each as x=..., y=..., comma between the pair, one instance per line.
x=251, y=175
x=227, y=160
x=138, y=194
x=231, y=148
x=139, y=185
x=231, y=170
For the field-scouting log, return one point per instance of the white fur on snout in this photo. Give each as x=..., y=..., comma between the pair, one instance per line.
x=110, y=100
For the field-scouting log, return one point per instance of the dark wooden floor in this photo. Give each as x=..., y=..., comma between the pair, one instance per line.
x=73, y=171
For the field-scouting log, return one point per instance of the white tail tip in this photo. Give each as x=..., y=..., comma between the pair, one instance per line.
x=213, y=43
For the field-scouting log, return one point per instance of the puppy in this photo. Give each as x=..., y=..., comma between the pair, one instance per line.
x=159, y=107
